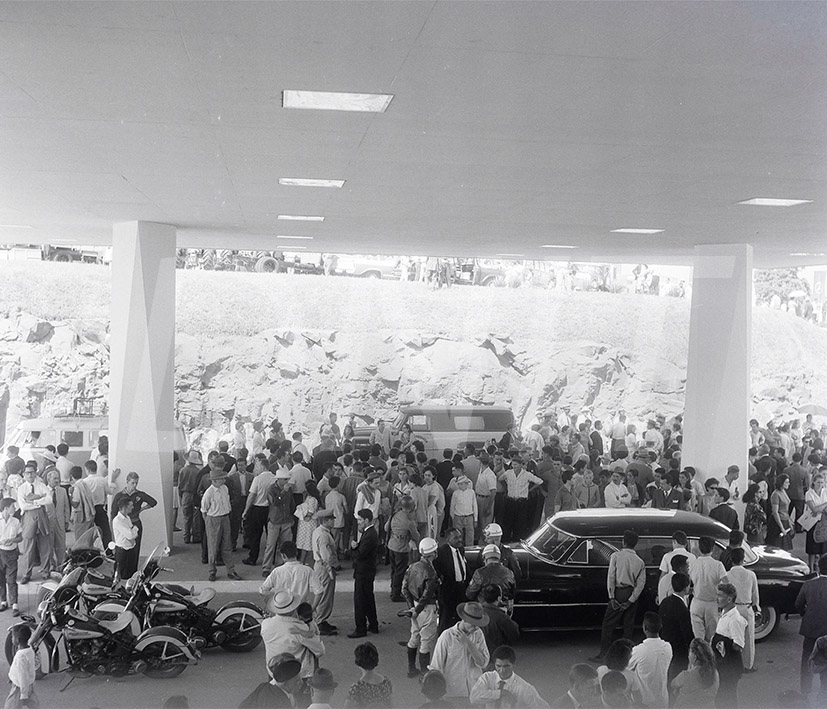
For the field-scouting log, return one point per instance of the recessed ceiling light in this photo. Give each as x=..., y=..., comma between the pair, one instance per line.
x=557, y=246
x=630, y=230
x=509, y=255
x=774, y=202
x=299, y=218
x=334, y=101
x=297, y=238
x=15, y=226
x=307, y=182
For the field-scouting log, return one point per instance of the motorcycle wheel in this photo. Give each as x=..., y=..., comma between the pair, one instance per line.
x=241, y=639
x=171, y=662
x=42, y=658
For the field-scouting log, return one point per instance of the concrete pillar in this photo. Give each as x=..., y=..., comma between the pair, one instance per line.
x=142, y=356
x=718, y=369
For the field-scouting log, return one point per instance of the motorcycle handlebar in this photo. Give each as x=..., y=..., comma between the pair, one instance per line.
x=163, y=568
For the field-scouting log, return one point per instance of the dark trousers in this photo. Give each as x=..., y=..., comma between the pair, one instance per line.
x=102, y=523
x=613, y=615
x=8, y=575
x=516, y=519
x=399, y=564
x=126, y=561
x=188, y=511
x=254, y=526
x=729, y=673
x=364, y=604
x=798, y=506
x=451, y=594
x=235, y=521
x=806, y=675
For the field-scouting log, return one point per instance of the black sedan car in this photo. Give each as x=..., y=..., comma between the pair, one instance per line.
x=564, y=563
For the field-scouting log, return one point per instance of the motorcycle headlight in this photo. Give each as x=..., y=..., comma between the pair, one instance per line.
x=131, y=583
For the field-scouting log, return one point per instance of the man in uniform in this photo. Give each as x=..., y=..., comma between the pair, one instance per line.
x=420, y=589
x=494, y=573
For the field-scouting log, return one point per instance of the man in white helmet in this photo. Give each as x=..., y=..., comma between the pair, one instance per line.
x=493, y=573
x=420, y=589
x=493, y=534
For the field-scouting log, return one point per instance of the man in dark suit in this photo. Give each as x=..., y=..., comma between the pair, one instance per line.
x=364, y=572
x=724, y=512
x=239, y=480
x=452, y=569
x=812, y=604
x=584, y=689
x=676, y=624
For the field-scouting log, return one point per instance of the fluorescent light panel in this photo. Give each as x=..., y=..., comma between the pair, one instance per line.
x=309, y=182
x=635, y=230
x=297, y=238
x=336, y=101
x=15, y=226
x=806, y=253
x=299, y=218
x=557, y=246
x=774, y=202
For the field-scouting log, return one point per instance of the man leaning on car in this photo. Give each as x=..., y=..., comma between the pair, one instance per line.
x=625, y=582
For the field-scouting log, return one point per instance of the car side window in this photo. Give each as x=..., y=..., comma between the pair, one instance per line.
x=418, y=422
x=591, y=552
x=653, y=549
x=73, y=439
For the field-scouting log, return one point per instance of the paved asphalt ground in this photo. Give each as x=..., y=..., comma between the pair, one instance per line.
x=222, y=679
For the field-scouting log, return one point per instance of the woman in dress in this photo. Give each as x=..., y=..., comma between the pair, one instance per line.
x=371, y=689
x=306, y=512
x=779, y=529
x=816, y=501
x=697, y=685
x=755, y=519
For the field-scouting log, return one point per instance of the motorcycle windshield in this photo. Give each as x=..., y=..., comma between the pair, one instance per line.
x=89, y=540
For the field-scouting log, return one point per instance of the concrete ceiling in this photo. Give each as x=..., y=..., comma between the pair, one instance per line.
x=512, y=125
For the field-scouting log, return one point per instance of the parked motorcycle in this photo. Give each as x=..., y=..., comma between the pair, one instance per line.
x=235, y=627
x=105, y=647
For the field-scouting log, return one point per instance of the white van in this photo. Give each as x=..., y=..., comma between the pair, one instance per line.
x=80, y=433
x=440, y=427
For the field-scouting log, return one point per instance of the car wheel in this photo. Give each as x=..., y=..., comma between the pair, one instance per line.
x=267, y=264
x=62, y=257
x=767, y=624
x=372, y=274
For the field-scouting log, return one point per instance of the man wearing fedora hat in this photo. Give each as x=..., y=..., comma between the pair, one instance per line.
x=461, y=653
x=322, y=687
x=284, y=632
x=215, y=508
x=186, y=487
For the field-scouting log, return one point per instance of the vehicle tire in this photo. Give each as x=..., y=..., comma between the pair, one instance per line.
x=172, y=661
x=62, y=257
x=375, y=275
x=769, y=622
x=43, y=657
x=495, y=282
x=247, y=640
x=267, y=264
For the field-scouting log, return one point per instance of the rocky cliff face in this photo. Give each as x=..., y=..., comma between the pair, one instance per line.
x=300, y=374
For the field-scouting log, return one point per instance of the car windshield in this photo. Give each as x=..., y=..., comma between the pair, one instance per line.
x=551, y=542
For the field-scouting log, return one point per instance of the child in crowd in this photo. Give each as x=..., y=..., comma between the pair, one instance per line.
x=11, y=534
x=22, y=671
x=310, y=662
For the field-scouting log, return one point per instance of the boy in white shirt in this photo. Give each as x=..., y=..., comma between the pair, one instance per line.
x=464, y=511
x=650, y=662
x=502, y=687
x=11, y=534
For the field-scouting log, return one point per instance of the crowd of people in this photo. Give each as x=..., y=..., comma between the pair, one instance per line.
x=298, y=513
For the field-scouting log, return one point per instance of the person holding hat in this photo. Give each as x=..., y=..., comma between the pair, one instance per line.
x=493, y=573
x=461, y=653
x=286, y=690
x=215, y=508
x=283, y=631
x=322, y=687
x=186, y=488
x=420, y=589
x=402, y=534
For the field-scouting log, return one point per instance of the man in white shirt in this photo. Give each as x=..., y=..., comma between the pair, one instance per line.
x=519, y=483
x=323, y=577
x=486, y=490
x=461, y=653
x=99, y=489
x=291, y=575
x=731, y=482
x=299, y=475
x=64, y=465
x=679, y=542
x=32, y=495
x=381, y=435
x=464, y=510
x=257, y=508
x=706, y=573
x=616, y=493
x=727, y=644
x=125, y=534
x=650, y=662
x=533, y=440
x=299, y=447
x=502, y=688
x=747, y=601
x=653, y=438
x=470, y=463
x=11, y=534
x=618, y=435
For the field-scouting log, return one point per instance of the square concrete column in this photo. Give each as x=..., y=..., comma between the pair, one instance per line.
x=142, y=356
x=718, y=368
